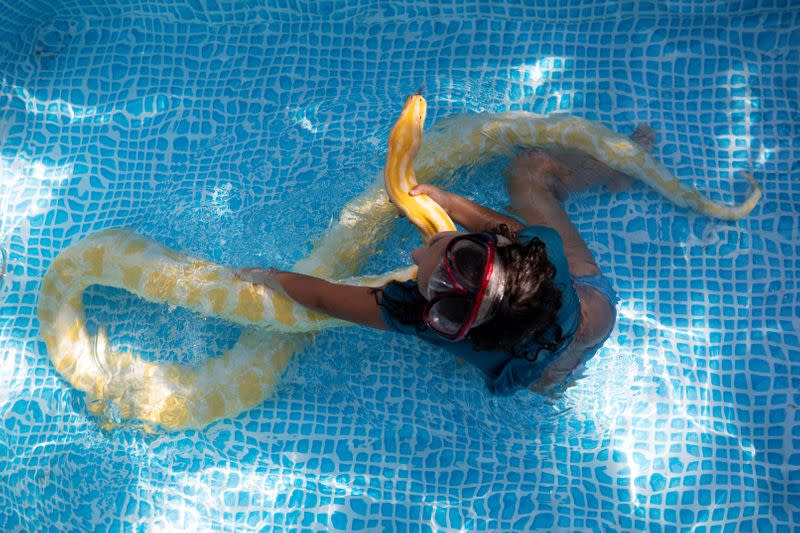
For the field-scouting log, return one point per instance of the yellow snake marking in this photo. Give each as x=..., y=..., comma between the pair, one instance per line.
x=177, y=397
x=250, y=389
x=160, y=286
x=284, y=310
x=93, y=258
x=135, y=246
x=250, y=305
x=218, y=298
x=193, y=297
x=216, y=404
x=131, y=276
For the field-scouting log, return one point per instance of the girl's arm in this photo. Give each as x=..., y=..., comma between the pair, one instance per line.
x=472, y=216
x=348, y=302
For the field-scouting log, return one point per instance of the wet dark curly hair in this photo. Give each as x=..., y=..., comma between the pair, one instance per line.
x=531, y=302
x=528, y=309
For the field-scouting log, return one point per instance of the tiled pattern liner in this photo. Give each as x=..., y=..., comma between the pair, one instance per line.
x=235, y=131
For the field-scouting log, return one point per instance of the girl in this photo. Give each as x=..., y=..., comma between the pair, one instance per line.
x=525, y=303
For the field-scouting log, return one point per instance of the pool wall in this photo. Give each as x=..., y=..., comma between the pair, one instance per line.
x=236, y=131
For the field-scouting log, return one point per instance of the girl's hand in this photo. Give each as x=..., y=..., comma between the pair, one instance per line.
x=266, y=277
x=436, y=194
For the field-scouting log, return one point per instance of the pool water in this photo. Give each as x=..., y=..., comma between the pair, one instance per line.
x=235, y=131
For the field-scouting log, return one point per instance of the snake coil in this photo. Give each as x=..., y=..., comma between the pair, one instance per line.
x=176, y=396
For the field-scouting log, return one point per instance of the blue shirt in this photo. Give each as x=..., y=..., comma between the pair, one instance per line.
x=505, y=373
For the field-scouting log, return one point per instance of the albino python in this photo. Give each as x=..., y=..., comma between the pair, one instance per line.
x=175, y=396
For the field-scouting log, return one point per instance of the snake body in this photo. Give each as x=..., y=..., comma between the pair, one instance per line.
x=175, y=396
x=404, y=141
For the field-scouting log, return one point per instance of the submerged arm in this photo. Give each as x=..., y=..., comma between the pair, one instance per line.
x=349, y=302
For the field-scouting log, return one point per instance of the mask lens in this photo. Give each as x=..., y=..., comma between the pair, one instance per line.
x=449, y=314
x=469, y=263
x=439, y=282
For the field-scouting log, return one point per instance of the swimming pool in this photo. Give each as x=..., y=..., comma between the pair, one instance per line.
x=236, y=131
